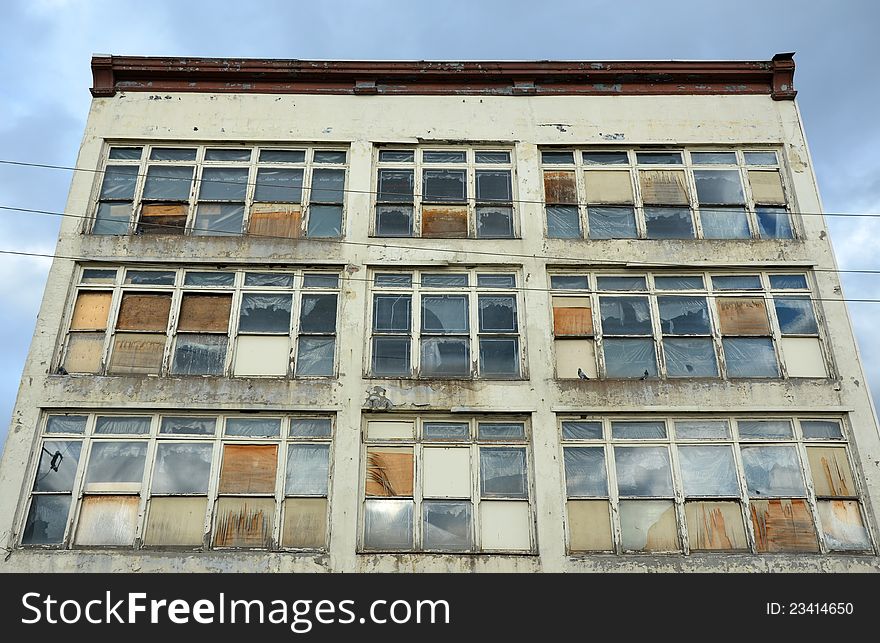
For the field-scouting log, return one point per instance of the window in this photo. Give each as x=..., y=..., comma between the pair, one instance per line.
x=683, y=194
x=651, y=484
x=446, y=485
x=444, y=193
x=139, y=321
x=451, y=324
x=181, y=480
x=216, y=191
x=645, y=325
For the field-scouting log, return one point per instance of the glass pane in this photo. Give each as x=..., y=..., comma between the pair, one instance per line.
x=218, y=218
x=46, y=520
x=585, y=472
x=444, y=313
x=497, y=313
x=708, y=471
x=501, y=431
x=494, y=222
x=563, y=222
x=277, y=185
x=172, y=154
x=690, y=357
x=747, y=357
x=265, y=313
x=719, y=187
x=388, y=524
x=57, y=467
x=268, y=279
x=772, y=471
x=199, y=354
x=310, y=427
x=622, y=283
x=446, y=431
x=503, y=473
x=392, y=280
x=395, y=185
x=702, y=430
x=150, y=277
x=392, y=313
x=209, y=279
x=713, y=158
x=119, y=182
x=443, y=185
x=684, y=315
x=491, y=157
x=638, y=429
x=788, y=282
x=821, y=429
x=443, y=280
x=625, y=315
x=94, y=276
x=282, y=156
x=669, y=223
x=773, y=223
x=493, y=185
x=396, y=156
x=659, y=158
x=66, y=424
x=625, y=358
x=442, y=156
x=605, y=158
x=318, y=314
x=743, y=282
x=795, y=315
x=394, y=220
x=112, y=218
x=170, y=182
x=125, y=153
x=320, y=280
x=648, y=526
x=764, y=428
x=182, y=468
x=391, y=356
x=499, y=357
x=329, y=156
x=308, y=466
x=569, y=282
x=445, y=356
x=679, y=283
x=447, y=525
x=496, y=281
x=113, y=425
x=760, y=158
x=579, y=430
x=553, y=158
x=315, y=356
x=253, y=427
x=724, y=223
x=223, y=184
x=188, y=425
x=611, y=223
x=327, y=186
x=325, y=221
x=227, y=154
x=116, y=462
x=643, y=471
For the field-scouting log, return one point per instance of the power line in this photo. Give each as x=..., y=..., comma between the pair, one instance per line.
x=493, y=290
x=403, y=247
x=732, y=208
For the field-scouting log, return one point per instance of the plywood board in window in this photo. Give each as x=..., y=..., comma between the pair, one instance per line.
x=445, y=221
x=783, y=526
x=766, y=187
x=83, y=353
x=305, y=523
x=589, y=526
x=275, y=220
x=389, y=471
x=248, y=468
x=560, y=187
x=176, y=522
x=144, y=311
x=91, y=311
x=572, y=316
x=663, y=187
x=715, y=526
x=743, y=316
x=137, y=354
x=207, y=313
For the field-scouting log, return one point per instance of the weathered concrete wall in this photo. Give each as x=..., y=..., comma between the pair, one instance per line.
x=528, y=122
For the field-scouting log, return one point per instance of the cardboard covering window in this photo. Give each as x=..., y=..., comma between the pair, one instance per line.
x=589, y=526
x=248, y=468
x=766, y=187
x=91, y=311
x=137, y=354
x=743, y=316
x=663, y=187
x=83, y=354
x=275, y=220
x=445, y=221
x=505, y=525
x=265, y=355
x=389, y=471
x=608, y=186
x=144, y=311
x=783, y=525
x=206, y=313
x=831, y=472
x=572, y=317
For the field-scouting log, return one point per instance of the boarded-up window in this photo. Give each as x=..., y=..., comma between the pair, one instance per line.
x=248, y=468
x=715, y=526
x=83, y=353
x=176, y=522
x=743, y=316
x=162, y=218
x=766, y=187
x=449, y=222
x=783, y=526
x=209, y=313
x=843, y=526
x=831, y=472
x=505, y=525
x=589, y=526
x=663, y=187
x=244, y=522
x=91, y=311
x=385, y=430
x=389, y=471
x=137, y=354
x=305, y=523
x=572, y=317
x=648, y=525
x=803, y=357
x=608, y=186
x=446, y=473
x=144, y=311
x=107, y=520
x=275, y=220
x=560, y=188
x=262, y=355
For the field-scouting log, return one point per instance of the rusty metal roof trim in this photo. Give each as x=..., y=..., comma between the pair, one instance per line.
x=112, y=74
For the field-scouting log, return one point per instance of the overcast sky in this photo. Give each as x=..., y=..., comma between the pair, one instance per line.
x=45, y=47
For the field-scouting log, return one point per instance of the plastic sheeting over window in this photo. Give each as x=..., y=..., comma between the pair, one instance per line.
x=747, y=357
x=388, y=524
x=308, y=466
x=315, y=356
x=264, y=313
x=643, y=471
x=253, y=427
x=447, y=525
x=611, y=222
x=691, y=357
x=773, y=223
x=708, y=471
x=773, y=471
x=719, y=187
x=503, y=473
x=199, y=354
x=120, y=425
x=318, y=314
x=279, y=185
x=115, y=465
x=626, y=358
x=443, y=356
x=795, y=315
x=724, y=223
x=669, y=223
x=563, y=222
x=585, y=474
x=182, y=468
x=638, y=430
x=625, y=315
x=445, y=313
x=684, y=315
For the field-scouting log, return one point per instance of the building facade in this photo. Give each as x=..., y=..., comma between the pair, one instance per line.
x=417, y=316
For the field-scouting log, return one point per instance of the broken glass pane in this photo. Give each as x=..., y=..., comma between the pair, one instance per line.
x=169, y=182
x=445, y=356
x=282, y=156
x=795, y=315
x=46, y=520
x=585, y=472
x=277, y=185
x=708, y=471
x=209, y=278
x=320, y=280
x=493, y=185
x=199, y=354
x=625, y=315
x=327, y=186
x=772, y=471
x=659, y=158
x=116, y=425
x=622, y=283
x=268, y=279
x=679, y=283
x=125, y=153
x=760, y=158
x=182, y=468
x=391, y=356
x=501, y=431
x=764, y=428
x=329, y=156
x=648, y=526
x=494, y=222
x=218, y=218
x=265, y=313
x=713, y=158
x=392, y=313
x=318, y=314
x=605, y=158
x=223, y=184
x=821, y=429
x=637, y=429
x=579, y=430
x=307, y=468
x=569, y=282
x=445, y=313
x=481, y=156
x=625, y=358
x=739, y=282
x=253, y=427
x=611, y=223
x=684, y=315
x=496, y=281
x=499, y=357
x=750, y=357
x=788, y=282
x=503, y=473
x=325, y=221
x=555, y=158
x=394, y=220
x=443, y=185
x=643, y=471
x=315, y=356
x=497, y=314
x=719, y=187
x=395, y=185
x=443, y=156
x=446, y=431
x=447, y=525
x=119, y=182
x=702, y=430
x=563, y=222
x=444, y=280
x=188, y=425
x=773, y=223
x=724, y=223
x=57, y=467
x=310, y=427
x=116, y=462
x=690, y=357
x=396, y=156
x=66, y=424
x=388, y=524
x=669, y=223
